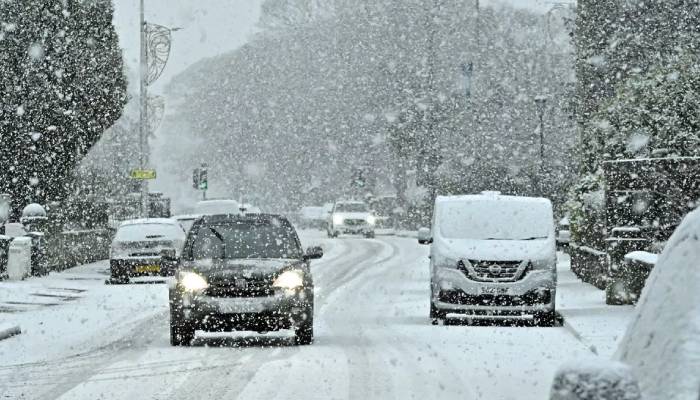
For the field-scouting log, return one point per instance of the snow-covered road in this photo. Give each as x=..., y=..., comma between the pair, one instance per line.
x=373, y=341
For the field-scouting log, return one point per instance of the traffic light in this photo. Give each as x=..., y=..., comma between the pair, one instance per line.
x=203, y=179
x=196, y=176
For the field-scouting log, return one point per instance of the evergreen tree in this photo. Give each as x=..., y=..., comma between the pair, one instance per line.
x=63, y=86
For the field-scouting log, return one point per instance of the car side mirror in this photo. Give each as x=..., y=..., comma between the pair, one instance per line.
x=169, y=255
x=424, y=236
x=313, y=253
x=595, y=380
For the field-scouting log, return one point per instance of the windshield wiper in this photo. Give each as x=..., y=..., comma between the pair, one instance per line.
x=221, y=238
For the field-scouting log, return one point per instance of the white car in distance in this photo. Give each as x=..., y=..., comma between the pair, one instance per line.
x=351, y=217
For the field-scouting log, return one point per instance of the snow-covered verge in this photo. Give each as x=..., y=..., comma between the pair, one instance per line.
x=598, y=325
x=662, y=344
x=72, y=312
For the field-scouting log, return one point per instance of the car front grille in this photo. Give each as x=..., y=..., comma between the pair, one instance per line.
x=354, y=222
x=494, y=271
x=531, y=298
x=251, y=288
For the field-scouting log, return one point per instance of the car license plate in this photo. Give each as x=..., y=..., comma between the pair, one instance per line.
x=147, y=268
x=493, y=290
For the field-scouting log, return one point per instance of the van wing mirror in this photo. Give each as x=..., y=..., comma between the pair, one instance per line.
x=425, y=236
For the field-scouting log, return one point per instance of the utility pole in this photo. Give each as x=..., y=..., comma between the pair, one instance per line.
x=541, y=103
x=143, y=108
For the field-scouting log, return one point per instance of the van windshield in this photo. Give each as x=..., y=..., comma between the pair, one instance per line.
x=495, y=220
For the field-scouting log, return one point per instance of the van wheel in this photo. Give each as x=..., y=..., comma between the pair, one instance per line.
x=545, y=319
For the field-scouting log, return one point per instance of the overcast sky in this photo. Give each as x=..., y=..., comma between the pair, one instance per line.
x=210, y=27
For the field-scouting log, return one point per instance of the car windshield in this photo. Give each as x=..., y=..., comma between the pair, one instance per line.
x=351, y=207
x=495, y=220
x=245, y=240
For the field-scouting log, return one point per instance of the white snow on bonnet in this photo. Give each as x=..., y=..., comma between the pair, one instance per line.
x=662, y=343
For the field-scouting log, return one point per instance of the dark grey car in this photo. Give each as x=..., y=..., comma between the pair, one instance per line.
x=243, y=272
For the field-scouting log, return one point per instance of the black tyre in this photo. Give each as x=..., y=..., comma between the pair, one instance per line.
x=546, y=319
x=304, y=331
x=437, y=317
x=117, y=274
x=181, y=332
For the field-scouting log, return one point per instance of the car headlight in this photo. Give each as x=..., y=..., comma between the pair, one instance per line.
x=338, y=219
x=371, y=220
x=193, y=282
x=289, y=280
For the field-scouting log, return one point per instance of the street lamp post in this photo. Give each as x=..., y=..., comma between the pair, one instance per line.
x=541, y=103
x=154, y=54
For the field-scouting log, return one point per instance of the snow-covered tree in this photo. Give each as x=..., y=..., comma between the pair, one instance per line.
x=653, y=114
x=63, y=86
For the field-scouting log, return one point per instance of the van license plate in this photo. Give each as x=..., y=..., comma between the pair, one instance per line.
x=493, y=290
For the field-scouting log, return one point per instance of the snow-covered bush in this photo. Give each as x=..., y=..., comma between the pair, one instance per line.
x=652, y=114
x=595, y=379
x=586, y=213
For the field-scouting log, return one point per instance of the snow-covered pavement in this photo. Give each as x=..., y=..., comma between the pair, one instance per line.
x=373, y=340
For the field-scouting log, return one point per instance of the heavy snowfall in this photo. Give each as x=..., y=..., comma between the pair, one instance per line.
x=350, y=199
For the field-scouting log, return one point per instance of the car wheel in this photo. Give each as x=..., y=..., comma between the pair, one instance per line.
x=546, y=319
x=369, y=235
x=304, y=332
x=118, y=273
x=437, y=317
x=181, y=332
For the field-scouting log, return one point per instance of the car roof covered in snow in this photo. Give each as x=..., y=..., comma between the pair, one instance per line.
x=142, y=221
x=350, y=202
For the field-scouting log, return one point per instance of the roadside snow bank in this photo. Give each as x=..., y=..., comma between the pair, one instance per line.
x=662, y=343
x=595, y=379
x=8, y=330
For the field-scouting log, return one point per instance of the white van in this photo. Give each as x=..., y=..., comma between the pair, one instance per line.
x=492, y=257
